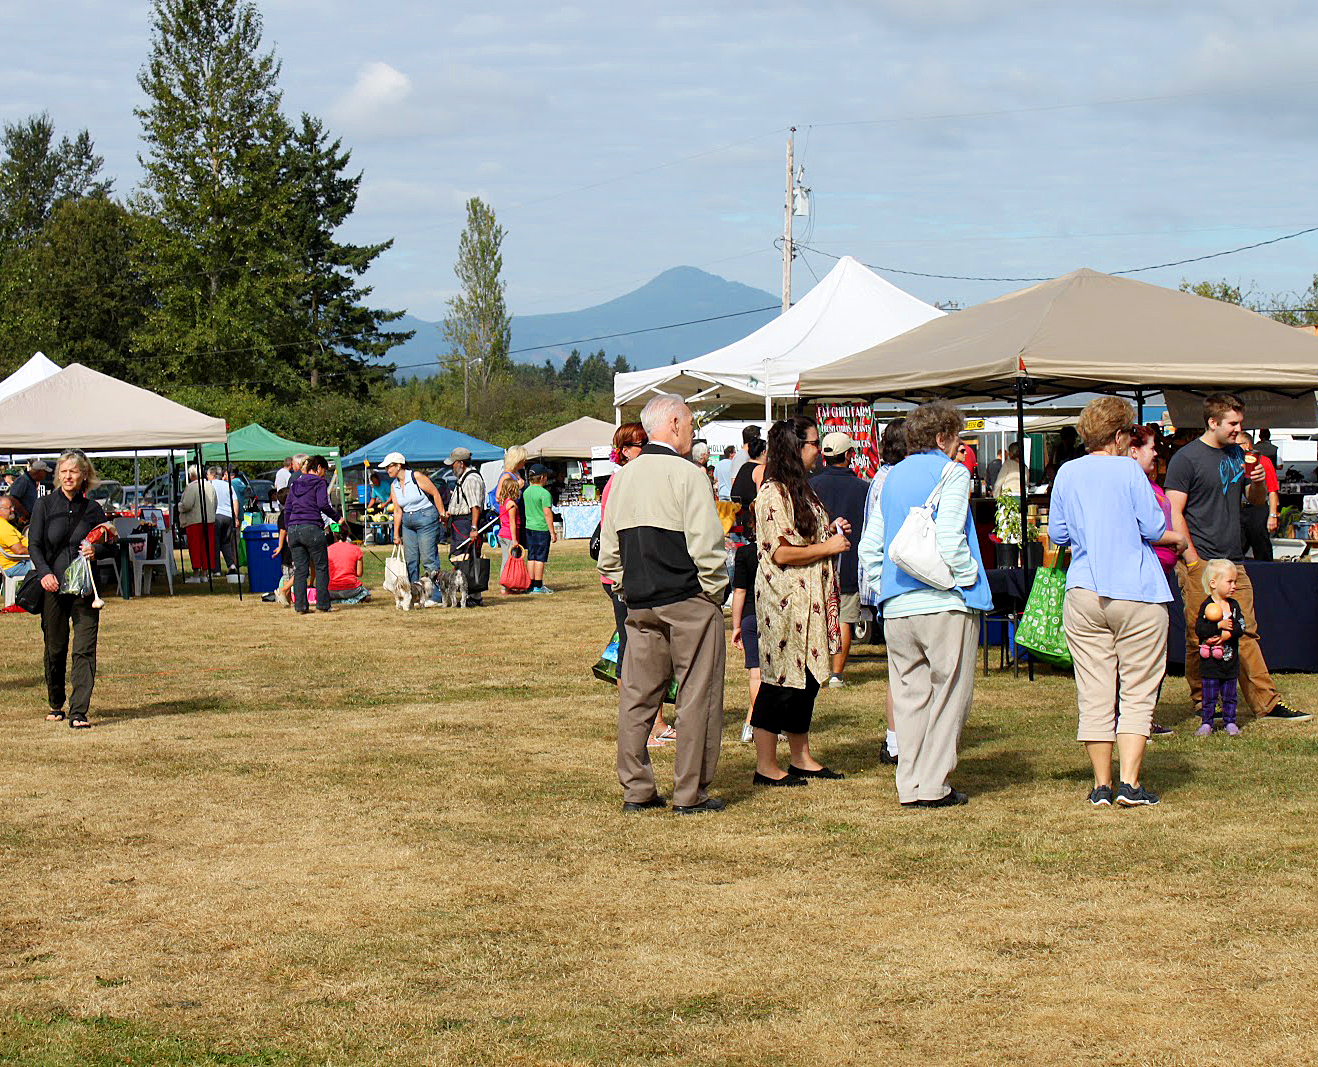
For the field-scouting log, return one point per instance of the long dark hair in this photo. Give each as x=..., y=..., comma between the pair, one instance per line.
x=783, y=465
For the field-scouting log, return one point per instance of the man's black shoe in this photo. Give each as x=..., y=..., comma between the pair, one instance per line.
x=655, y=801
x=1288, y=714
x=951, y=800
x=886, y=757
x=708, y=804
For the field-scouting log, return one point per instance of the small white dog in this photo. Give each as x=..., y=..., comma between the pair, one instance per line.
x=412, y=595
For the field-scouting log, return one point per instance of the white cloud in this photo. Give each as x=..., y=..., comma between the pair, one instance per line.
x=378, y=90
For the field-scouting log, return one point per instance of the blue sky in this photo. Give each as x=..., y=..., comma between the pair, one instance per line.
x=614, y=141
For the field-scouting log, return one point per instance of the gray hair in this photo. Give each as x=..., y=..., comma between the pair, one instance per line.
x=214, y=472
x=700, y=453
x=300, y=461
x=193, y=475
x=660, y=409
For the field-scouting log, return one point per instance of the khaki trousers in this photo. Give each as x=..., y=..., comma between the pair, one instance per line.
x=1119, y=652
x=931, y=673
x=685, y=638
x=1255, y=682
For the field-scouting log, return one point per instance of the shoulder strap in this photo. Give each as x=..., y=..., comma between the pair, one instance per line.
x=937, y=491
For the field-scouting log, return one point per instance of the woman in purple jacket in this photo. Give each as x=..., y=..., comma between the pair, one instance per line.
x=304, y=509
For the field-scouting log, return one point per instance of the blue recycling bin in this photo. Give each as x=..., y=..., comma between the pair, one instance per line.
x=264, y=568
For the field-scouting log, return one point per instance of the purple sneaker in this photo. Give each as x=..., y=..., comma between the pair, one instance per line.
x=1232, y=729
x=1204, y=730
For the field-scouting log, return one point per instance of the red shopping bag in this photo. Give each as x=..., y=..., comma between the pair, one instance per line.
x=514, y=576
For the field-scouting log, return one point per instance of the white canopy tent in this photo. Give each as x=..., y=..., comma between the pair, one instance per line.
x=36, y=369
x=850, y=310
x=84, y=408
x=572, y=440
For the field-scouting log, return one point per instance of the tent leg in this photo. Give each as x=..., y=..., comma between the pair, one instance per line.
x=1139, y=407
x=228, y=473
x=1025, y=477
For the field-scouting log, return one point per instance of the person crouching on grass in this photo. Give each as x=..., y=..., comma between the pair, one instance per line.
x=345, y=568
x=1218, y=626
x=539, y=528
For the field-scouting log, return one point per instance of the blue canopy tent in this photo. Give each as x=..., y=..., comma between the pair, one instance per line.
x=424, y=444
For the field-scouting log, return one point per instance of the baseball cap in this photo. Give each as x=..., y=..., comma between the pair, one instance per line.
x=458, y=455
x=836, y=443
x=537, y=469
x=392, y=458
x=39, y=465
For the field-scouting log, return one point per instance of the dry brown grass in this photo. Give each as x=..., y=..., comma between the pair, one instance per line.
x=387, y=838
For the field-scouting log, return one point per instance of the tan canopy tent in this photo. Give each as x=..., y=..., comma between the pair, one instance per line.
x=1084, y=330
x=82, y=408
x=574, y=440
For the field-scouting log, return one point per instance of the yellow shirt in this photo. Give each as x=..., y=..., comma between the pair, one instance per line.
x=10, y=537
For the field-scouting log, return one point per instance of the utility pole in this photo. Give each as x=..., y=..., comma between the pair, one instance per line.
x=788, y=206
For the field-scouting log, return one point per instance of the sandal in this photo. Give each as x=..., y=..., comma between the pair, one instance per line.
x=669, y=734
x=55, y=716
x=79, y=722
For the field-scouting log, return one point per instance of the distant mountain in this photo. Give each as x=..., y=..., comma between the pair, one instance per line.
x=681, y=294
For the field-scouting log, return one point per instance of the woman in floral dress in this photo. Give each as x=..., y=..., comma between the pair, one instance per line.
x=796, y=596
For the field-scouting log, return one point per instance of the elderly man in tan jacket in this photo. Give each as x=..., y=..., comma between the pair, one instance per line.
x=662, y=547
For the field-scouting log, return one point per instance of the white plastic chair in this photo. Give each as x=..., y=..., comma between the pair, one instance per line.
x=163, y=559
x=10, y=584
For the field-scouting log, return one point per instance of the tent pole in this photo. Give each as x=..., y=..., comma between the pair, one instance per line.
x=228, y=473
x=172, y=475
x=1139, y=407
x=768, y=401
x=1025, y=473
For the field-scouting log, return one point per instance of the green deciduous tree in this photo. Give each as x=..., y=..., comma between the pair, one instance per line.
x=478, y=328
x=214, y=245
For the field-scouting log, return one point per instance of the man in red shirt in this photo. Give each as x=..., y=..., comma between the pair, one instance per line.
x=345, y=568
x=1258, y=517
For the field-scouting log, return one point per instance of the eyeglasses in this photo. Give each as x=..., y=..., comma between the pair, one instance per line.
x=811, y=441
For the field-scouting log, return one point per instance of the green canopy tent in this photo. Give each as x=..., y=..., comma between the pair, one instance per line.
x=255, y=444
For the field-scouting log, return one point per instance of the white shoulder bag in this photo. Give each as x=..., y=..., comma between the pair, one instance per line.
x=915, y=548
x=395, y=570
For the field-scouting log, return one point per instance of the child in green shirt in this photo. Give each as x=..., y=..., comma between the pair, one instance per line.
x=539, y=527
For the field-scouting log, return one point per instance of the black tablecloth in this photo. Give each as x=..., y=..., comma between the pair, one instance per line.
x=1285, y=603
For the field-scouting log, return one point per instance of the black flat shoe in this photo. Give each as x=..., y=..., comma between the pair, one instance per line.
x=655, y=801
x=785, y=780
x=708, y=804
x=952, y=799
x=886, y=757
x=823, y=772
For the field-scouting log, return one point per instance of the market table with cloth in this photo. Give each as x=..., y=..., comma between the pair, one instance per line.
x=1285, y=603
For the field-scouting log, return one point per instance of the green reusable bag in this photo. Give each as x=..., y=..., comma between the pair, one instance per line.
x=1040, y=631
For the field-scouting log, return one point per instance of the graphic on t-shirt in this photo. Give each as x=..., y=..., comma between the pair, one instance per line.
x=1231, y=468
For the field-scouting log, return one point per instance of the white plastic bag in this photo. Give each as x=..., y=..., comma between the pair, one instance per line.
x=395, y=570
x=915, y=548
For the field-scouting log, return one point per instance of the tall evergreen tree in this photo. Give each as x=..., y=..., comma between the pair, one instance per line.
x=621, y=366
x=338, y=330
x=214, y=246
x=569, y=378
x=478, y=328
x=36, y=174
x=595, y=374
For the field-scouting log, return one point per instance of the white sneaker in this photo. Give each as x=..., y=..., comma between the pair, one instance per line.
x=836, y=681
x=747, y=733
x=195, y=579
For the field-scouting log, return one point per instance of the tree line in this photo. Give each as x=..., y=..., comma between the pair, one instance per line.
x=219, y=280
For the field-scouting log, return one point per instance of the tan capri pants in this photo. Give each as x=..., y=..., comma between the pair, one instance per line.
x=1110, y=639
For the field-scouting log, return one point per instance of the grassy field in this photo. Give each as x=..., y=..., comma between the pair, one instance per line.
x=384, y=838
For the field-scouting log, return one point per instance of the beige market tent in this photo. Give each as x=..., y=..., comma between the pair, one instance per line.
x=574, y=440
x=80, y=407
x=1084, y=330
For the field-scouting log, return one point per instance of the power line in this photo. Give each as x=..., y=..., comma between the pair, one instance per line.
x=1048, y=278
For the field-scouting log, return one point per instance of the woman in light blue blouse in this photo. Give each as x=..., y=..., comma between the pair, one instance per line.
x=931, y=633
x=1116, y=626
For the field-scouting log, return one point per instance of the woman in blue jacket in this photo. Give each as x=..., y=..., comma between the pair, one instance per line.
x=930, y=632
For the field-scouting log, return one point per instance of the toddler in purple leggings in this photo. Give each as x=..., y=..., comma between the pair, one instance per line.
x=1218, y=628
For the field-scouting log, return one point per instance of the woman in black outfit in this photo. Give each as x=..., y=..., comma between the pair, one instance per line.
x=746, y=485
x=61, y=522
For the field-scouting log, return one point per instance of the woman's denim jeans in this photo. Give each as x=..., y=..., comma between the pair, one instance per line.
x=421, y=541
